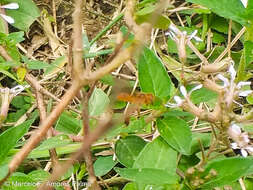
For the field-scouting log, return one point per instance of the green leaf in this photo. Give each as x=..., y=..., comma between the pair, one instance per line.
x=39, y=175
x=228, y=170
x=19, y=181
x=248, y=52
x=103, y=165
x=98, y=102
x=8, y=74
x=159, y=155
x=68, y=124
x=147, y=175
x=70, y=148
x=131, y=186
x=203, y=95
x=37, y=65
x=55, y=66
x=25, y=15
x=10, y=137
x=4, y=169
x=231, y=9
x=127, y=149
x=204, y=138
x=53, y=142
x=176, y=133
x=152, y=75
x=17, y=37
x=145, y=14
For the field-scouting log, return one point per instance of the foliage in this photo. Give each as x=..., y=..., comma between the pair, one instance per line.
x=184, y=119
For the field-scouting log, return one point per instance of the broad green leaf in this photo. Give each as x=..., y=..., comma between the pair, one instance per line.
x=37, y=65
x=152, y=75
x=98, y=102
x=197, y=138
x=131, y=186
x=147, y=175
x=68, y=124
x=10, y=137
x=228, y=170
x=203, y=95
x=39, y=175
x=19, y=181
x=159, y=155
x=17, y=37
x=103, y=165
x=18, y=102
x=128, y=148
x=231, y=9
x=4, y=169
x=67, y=149
x=145, y=14
x=176, y=133
x=25, y=15
x=53, y=142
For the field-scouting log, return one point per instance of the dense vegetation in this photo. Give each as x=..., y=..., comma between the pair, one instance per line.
x=132, y=95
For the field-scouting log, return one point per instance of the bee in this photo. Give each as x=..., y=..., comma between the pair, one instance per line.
x=137, y=98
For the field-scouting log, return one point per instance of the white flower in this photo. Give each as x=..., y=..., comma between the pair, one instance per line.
x=179, y=100
x=245, y=3
x=244, y=151
x=174, y=33
x=227, y=83
x=241, y=140
x=9, y=6
x=15, y=90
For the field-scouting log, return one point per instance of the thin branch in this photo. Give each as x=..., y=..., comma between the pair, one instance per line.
x=93, y=184
x=43, y=115
x=103, y=126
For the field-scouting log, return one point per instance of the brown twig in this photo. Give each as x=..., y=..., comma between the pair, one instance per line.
x=43, y=116
x=104, y=124
x=93, y=184
x=79, y=80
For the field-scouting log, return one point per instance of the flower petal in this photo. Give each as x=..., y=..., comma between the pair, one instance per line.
x=244, y=153
x=10, y=6
x=234, y=145
x=235, y=129
x=249, y=149
x=183, y=91
x=232, y=72
x=196, y=88
x=178, y=100
x=224, y=80
x=7, y=18
x=174, y=29
x=245, y=3
x=242, y=83
x=245, y=93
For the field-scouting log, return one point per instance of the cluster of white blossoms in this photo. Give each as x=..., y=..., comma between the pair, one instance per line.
x=241, y=140
x=174, y=33
x=9, y=6
x=179, y=101
x=229, y=84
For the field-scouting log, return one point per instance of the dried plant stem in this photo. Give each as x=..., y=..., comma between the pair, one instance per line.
x=60, y=169
x=42, y=131
x=92, y=180
x=79, y=79
x=43, y=116
x=237, y=37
